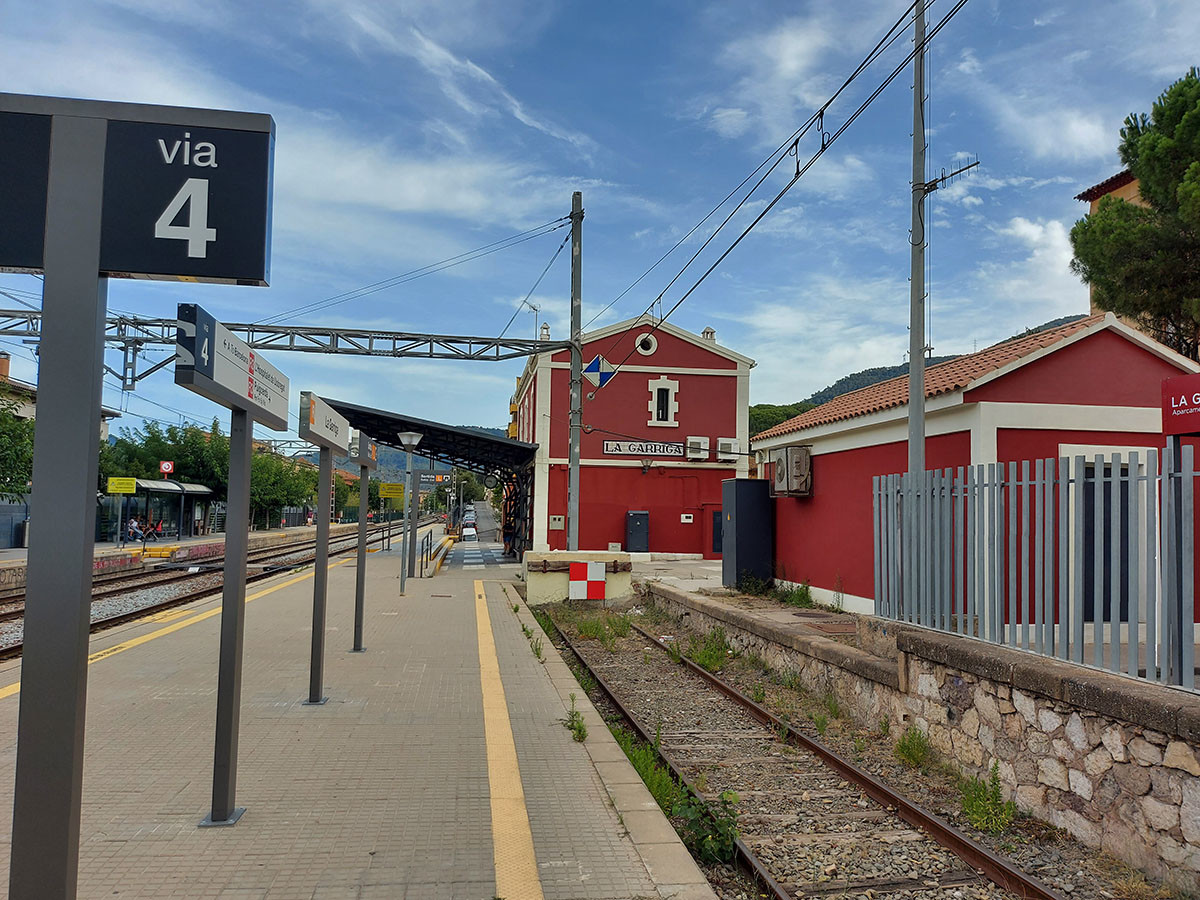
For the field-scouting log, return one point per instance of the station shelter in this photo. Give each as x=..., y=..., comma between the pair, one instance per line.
x=181, y=508
x=1092, y=387
x=658, y=438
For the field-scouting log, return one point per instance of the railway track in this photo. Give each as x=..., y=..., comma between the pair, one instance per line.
x=811, y=824
x=212, y=582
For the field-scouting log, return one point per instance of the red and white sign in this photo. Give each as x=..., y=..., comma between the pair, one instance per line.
x=1181, y=405
x=166, y=467
x=586, y=581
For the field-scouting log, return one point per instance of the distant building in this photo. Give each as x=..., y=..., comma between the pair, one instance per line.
x=1122, y=186
x=659, y=438
x=1091, y=387
x=24, y=396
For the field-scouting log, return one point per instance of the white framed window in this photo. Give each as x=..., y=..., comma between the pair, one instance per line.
x=646, y=344
x=664, y=402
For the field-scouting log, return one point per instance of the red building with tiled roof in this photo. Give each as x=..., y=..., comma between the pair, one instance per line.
x=1091, y=387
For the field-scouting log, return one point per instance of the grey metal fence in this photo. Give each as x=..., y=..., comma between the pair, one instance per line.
x=1088, y=559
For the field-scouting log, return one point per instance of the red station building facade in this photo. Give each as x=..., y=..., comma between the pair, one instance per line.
x=659, y=437
x=1092, y=387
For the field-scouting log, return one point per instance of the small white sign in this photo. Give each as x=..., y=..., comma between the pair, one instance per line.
x=320, y=424
x=643, y=448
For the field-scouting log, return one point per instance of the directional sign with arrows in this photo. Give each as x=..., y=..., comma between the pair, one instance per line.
x=599, y=371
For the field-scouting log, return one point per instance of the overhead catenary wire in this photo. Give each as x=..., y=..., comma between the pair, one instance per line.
x=525, y=300
x=780, y=153
x=413, y=274
x=826, y=143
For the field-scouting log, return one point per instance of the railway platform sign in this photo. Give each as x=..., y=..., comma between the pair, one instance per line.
x=93, y=190
x=118, y=485
x=320, y=424
x=391, y=490
x=166, y=467
x=214, y=362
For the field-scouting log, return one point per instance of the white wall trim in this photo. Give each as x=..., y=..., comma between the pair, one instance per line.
x=541, y=470
x=666, y=370
x=659, y=462
x=850, y=602
x=743, y=421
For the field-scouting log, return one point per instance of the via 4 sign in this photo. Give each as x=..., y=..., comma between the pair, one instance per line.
x=186, y=192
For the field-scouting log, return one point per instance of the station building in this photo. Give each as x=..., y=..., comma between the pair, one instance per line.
x=658, y=439
x=1091, y=387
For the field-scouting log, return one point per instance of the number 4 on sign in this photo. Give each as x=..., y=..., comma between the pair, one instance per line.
x=196, y=232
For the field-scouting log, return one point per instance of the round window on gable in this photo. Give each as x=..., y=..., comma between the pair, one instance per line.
x=646, y=344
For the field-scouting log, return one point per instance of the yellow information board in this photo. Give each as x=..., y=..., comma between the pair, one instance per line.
x=122, y=485
x=391, y=489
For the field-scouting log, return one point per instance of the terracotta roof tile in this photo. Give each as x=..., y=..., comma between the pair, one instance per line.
x=1107, y=186
x=943, y=378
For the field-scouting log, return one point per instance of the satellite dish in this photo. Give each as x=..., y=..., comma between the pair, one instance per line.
x=490, y=481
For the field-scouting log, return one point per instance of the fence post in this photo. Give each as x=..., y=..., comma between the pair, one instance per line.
x=1013, y=551
x=1039, y=561
x=1187, y=581
x=1098, y=563
x=1062, y=602
x=996, y=608
x=875, y=535
x=1152, y=560
x=1132, y=580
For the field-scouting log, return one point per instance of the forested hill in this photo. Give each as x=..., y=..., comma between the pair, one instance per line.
x=767, y=415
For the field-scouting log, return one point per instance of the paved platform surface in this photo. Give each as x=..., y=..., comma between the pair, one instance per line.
x=404, y=785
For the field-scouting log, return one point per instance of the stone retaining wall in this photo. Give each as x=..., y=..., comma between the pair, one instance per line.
x=1113, y=761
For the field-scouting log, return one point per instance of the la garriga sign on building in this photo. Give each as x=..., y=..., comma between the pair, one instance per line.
x=643, y=448
x=1181, y=405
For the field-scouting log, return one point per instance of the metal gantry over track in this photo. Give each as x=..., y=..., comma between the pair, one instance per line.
x=131, y=334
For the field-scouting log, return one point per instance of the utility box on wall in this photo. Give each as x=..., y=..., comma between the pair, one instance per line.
x=637, y=531
x=748, y=530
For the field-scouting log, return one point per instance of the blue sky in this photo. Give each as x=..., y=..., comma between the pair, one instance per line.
x=408, y=132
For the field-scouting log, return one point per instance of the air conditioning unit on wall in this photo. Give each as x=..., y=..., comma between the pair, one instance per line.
x=793, y=472
x=727, y=449
x=697, y=448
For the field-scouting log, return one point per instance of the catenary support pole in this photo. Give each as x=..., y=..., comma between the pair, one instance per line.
x=225, y=810
x=360, y=574
x=576, y=370
x=316, y=672
x=916, y=308
x=50, y=727
x=414, y=513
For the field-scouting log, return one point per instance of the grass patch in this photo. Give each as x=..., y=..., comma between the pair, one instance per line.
x=885, y=725
x=575, y=724
x=821, y=723
x=913, y=749
x=711, y=651
x=536, y=646
x=603, y=627
x=663, y=787
x=758, y=693
x=984, y=805
x=830, y=702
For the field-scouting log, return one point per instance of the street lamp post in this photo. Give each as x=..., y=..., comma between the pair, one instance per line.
x=408, y=442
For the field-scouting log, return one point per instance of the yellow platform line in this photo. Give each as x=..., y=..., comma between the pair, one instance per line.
x=15, y=688
x=512, y=839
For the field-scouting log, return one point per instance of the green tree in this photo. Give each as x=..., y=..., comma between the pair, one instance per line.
x=768, y=415
x=16, y=451
x=1143, y=261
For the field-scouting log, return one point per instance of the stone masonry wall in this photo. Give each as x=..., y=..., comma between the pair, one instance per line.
x=1114, y=762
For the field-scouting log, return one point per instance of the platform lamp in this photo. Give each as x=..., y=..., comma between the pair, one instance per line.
x=408, y=441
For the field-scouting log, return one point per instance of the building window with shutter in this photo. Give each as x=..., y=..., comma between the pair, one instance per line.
x=664, y=402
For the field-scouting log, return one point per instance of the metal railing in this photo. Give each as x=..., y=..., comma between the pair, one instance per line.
x=1090, y=560
x=426, y=551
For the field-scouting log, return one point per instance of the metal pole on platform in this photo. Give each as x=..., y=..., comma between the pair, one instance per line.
x=316, y=689
x=360, y=574
x=404, y=524
x=576, y=412
x=414, y=512
x=916, y=303
x=49, y=777
x=225, y=810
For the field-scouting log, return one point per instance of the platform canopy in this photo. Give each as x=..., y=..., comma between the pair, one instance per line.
x=465, y=448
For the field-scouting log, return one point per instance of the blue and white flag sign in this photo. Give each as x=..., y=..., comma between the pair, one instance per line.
x=599, y=371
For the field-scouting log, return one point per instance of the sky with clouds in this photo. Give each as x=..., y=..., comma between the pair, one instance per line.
x=409, y=131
